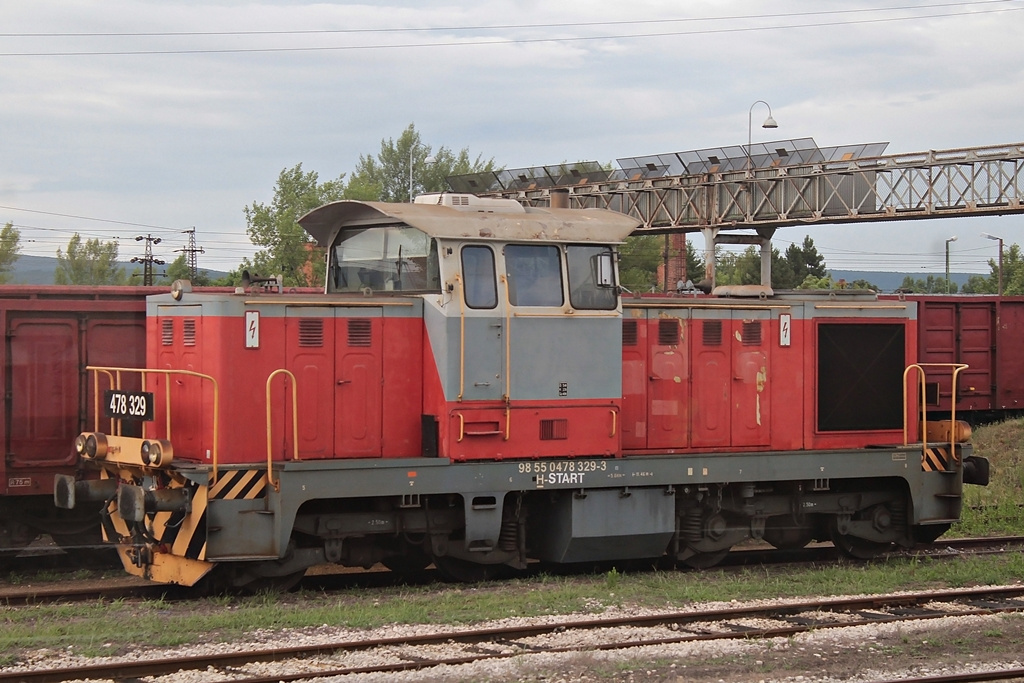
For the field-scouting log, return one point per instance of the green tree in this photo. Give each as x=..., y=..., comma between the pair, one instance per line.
x=1013, y=275
x=91, y=262
x=386, y=176
x=815, y=282
x=789, y=271
x=802, y=261
x=287, y=249
x=179, y=270
x=930, y=285
x=10, y=246
x=694, y=264
x=743, y=268
x=640, y=257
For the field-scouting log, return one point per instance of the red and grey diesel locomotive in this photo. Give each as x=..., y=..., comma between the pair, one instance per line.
x=472, y=391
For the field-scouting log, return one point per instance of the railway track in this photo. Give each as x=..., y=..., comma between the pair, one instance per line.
x=129, y=587
x=452, y=648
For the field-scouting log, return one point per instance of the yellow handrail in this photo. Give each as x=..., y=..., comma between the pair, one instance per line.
x=508, y=359
x=957, y=368
x=462, y=337
x=144, y=373
x=295, y=426
x=96, y=398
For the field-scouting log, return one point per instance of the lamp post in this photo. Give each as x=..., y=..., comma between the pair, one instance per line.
x=951, y=239
x=428, y=160
x=1000, y=240
x=768, y=123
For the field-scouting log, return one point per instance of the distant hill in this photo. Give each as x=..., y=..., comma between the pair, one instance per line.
x=39, y=270
x=888, y=282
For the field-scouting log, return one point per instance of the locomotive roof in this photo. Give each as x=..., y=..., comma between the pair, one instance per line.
x=554, y=225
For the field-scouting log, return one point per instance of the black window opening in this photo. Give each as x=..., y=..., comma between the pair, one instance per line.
x=481, y=290
x=534, y=275
x=590, y=288
x=860, y=376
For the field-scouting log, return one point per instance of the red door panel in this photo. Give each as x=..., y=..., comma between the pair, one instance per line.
x=44, y=357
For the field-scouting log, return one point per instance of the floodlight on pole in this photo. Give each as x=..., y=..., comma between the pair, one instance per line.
x=1000, y=240
x=951, y=239
x=428, y=160
x=768, y=123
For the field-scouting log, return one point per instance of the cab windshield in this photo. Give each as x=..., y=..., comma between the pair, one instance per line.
x=388, y=259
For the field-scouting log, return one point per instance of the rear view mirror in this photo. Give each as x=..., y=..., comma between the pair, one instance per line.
x=605, y=269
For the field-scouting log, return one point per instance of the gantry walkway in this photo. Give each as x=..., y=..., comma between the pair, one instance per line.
x=779, y=184
x=767, y=186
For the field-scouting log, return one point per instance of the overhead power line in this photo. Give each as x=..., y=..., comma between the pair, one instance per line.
x=509, y=41
x=496, y=27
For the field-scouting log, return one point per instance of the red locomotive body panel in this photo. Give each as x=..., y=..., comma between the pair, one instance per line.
x=716, y=375
x=356, y=371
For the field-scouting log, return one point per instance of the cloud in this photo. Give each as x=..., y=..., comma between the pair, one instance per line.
x=189, y=138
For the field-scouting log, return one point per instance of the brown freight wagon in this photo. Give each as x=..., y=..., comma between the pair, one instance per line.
x=51, y=333
x=983, y=331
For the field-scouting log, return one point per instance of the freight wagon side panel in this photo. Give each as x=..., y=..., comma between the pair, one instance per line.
x=44, y=391
x=1010, y=354
x=976, y=327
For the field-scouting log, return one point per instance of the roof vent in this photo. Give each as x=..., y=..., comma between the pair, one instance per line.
x=470, y=202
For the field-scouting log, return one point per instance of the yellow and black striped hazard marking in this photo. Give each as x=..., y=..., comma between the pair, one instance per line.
x=940, y=459
x=240, y=485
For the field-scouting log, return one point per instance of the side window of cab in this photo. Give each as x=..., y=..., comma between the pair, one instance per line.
x=480, y=285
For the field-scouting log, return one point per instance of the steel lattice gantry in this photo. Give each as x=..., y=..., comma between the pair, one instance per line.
x=773, y=185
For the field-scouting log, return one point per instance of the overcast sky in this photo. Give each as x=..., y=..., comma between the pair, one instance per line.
x=122, y=118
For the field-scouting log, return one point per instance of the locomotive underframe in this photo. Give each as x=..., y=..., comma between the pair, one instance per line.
x=468, y=517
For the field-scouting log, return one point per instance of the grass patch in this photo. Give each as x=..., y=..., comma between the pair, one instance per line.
x=106, y=627
x=996, y=510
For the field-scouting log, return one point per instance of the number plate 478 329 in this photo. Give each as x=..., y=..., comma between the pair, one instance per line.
x=128, y=405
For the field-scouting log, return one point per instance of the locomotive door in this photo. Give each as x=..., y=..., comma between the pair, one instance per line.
x=178, y=343
x=634, y=378
x=483, y=317
x=359, y=384
x=336, y=361
x=730, y=355
x=668, y=381
x=751, y=422
x=711, y=352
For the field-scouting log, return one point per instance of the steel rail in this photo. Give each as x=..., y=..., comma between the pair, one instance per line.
x=156, y=667
x=738, y=557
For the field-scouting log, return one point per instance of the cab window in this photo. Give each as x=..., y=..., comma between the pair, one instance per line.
x=591, y=278
x=390, y=258
x=534, y=275
x=478, y=275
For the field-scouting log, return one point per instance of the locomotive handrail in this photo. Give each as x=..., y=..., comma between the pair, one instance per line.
x=462, y=337
x=144, y=373
x=957, y=368
x=96, y=399
x=508, y=359
x=295, y=425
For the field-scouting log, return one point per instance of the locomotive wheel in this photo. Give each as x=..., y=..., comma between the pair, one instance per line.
x=705, y=560
x=783, y=533
x=458, y=570
x=854, y=546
